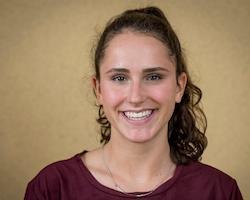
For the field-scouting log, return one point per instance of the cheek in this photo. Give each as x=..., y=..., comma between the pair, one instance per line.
x=111, y=95
x=164, y=94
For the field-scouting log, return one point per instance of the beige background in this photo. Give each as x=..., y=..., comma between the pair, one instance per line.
x=47, y=108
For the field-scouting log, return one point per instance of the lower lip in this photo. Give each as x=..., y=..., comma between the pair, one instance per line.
x=139, y=122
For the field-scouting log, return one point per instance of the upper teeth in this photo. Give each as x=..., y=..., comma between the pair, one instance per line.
x=138, y=115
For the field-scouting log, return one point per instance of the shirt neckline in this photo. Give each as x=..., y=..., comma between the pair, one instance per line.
x=161, y=188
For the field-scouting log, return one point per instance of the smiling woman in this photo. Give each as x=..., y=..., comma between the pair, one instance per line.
x=138, y=99
x=152, y=128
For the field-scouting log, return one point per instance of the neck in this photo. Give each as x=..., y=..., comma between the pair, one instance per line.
x=141, y=162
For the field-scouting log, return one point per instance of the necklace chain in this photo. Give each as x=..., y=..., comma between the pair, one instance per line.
x=118, y=187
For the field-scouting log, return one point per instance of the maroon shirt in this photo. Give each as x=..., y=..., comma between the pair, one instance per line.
x=71, y=180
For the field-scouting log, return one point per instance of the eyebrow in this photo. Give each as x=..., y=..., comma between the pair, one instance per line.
x=124, y=70
x=155, y=69
x=146, y=70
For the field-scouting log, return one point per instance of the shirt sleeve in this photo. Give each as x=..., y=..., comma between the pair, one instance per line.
x=34, y=193
x=45, y=186
x=236, y=194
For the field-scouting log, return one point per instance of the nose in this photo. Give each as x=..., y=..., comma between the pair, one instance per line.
x=136, y=94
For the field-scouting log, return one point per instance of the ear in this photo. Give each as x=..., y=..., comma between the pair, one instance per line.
x=96, y=89
x=181, y=85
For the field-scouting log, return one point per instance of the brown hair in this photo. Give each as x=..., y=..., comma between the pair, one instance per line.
x=187, y=126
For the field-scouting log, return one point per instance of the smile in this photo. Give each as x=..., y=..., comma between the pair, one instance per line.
x=136, y=116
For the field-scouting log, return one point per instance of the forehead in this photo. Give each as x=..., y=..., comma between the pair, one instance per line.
x=131, y=48
x=134, y=36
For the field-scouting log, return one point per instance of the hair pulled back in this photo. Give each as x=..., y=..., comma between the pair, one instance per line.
x=187, y=126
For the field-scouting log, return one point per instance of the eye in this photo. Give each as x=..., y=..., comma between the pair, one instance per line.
x=119, y=78
x=153, y=77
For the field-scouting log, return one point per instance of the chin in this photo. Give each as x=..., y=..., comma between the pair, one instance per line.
x=139, y=137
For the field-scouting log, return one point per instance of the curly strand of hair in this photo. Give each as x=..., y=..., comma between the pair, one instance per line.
x=187, y=127
x=105, y=126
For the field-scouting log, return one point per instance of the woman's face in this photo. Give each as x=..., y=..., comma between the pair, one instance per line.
x=138, y=87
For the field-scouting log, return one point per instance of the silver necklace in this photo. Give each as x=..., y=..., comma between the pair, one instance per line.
x=119, y=188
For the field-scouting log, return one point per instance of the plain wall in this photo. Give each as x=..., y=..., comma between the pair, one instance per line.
x=47, y=110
